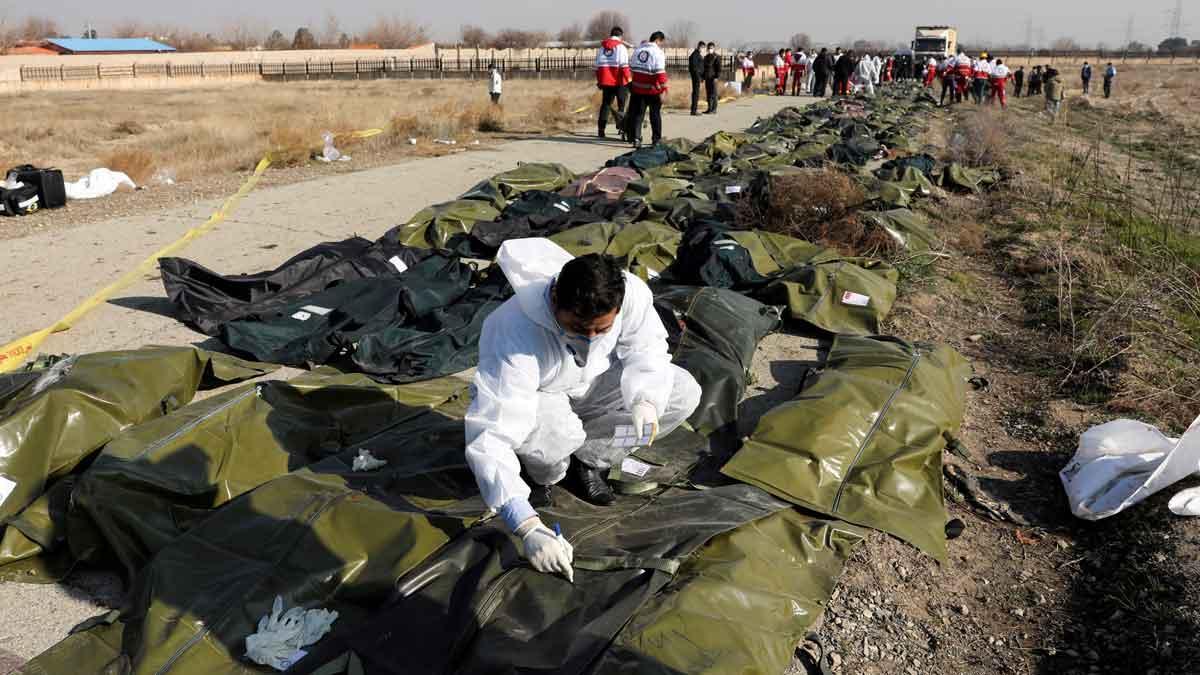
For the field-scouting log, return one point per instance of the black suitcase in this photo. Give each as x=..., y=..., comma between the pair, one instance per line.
x=49, y=182
x=19, y=202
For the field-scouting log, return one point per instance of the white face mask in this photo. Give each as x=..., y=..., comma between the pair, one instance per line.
x=577, y=345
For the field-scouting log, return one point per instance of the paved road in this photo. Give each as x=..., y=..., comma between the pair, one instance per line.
x=43, y=276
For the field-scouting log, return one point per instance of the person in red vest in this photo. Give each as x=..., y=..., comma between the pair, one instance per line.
x=783, y=65
x=1000, y=77
x=964, y=74
x=649, y=66
x=612, y=77
x=931, y=70
x=799, y=70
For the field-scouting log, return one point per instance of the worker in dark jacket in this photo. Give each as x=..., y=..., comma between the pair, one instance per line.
x=842, y=70
x=696, y=70
x=1019, y=80
x=821, y=71
x=712, y=72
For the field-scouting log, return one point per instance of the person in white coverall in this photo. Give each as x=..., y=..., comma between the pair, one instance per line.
x=577, y=351
x=864, y=74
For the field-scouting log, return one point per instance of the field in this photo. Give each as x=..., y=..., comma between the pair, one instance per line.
x=191, y=134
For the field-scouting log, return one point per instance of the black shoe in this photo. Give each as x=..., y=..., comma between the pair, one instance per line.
x=601, y=135
x=589, y=484
x=695, y=114
x=540, y=496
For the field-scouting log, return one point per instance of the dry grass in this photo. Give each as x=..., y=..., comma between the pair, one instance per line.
x=980, y=138
x=819, y=206
x=137, y=164
x=192, y=133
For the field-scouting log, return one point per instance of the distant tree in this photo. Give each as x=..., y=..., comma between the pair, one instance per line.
x=601, y=24
x=800, y=40
x=1174, y=44
x=1195, y=43
x=682, y=33
x=240, y=35
x=571, y=34
x=474, y=36
x=396, y=33
x=513, y=38
x=1064, y=44
x=130, y=28
x=344, y=41
x=276, y=41
x=37, y=28
x=1137, y=47
x=304, y=39
x=868, y=46
x=331, y=31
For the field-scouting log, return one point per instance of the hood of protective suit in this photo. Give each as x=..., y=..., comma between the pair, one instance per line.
x=531, y=266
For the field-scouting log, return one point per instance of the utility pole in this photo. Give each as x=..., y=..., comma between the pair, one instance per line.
x=1129, y=31
x=1177, y=20
x=1029, y=31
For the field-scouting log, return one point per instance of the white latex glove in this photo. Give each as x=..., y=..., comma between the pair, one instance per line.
x=546, y=551
x=645, y=414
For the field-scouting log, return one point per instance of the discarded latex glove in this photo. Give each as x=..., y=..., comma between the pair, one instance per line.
x=548, y=552
x=367, y=462
x=645, y=415
x=281, y=636
x=1185, y=503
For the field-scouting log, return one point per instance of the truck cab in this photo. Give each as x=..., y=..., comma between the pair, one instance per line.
x=937, y=42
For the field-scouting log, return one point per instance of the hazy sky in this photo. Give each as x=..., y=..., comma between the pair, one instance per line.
x=1088, y=21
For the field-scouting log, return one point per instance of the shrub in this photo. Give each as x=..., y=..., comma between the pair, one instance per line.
x=818, y=206
x=980, y=139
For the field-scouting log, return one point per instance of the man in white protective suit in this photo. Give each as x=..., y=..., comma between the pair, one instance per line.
x=578, y=351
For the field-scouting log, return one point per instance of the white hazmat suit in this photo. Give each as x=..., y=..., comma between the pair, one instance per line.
x=539, y=397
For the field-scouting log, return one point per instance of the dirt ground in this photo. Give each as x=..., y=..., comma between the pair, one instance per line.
x=1027, y=589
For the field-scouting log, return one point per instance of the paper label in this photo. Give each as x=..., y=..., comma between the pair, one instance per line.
x=293, y=659
x=302, y=316
x=314, y=309
x=625, y=437
x=398, y=264
x=632, y=466
x=855, y=299
x=6, y=488
x=732, y=189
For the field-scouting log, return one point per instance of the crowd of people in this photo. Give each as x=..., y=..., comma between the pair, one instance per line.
x=985, y=79
x=637, y=78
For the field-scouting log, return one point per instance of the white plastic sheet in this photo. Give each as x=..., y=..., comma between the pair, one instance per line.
x=1122, y=462
x=98, y=183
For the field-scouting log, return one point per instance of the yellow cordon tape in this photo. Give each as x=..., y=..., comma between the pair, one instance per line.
x=15, y=352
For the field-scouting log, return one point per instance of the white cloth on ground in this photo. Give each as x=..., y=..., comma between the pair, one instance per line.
x=1122, y=462
x=98, y=183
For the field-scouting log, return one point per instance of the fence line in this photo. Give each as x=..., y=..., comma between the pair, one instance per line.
x=376, y=68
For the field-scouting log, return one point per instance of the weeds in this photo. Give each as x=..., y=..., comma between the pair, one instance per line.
x=818, y=206
x=980, y=138
x=139, y=165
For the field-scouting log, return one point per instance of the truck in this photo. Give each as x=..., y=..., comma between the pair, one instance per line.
x=936, y=42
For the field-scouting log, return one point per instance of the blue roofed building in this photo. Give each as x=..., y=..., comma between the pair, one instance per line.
x=107, y=46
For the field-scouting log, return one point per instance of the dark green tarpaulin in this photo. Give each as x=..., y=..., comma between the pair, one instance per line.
x=744, y=601
x=863, y=441
x=713, y=335
x=965, y=179
x=56, y=422
x=849, y=296
x=156, y=480
x=437, y=225
x=909, y=229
